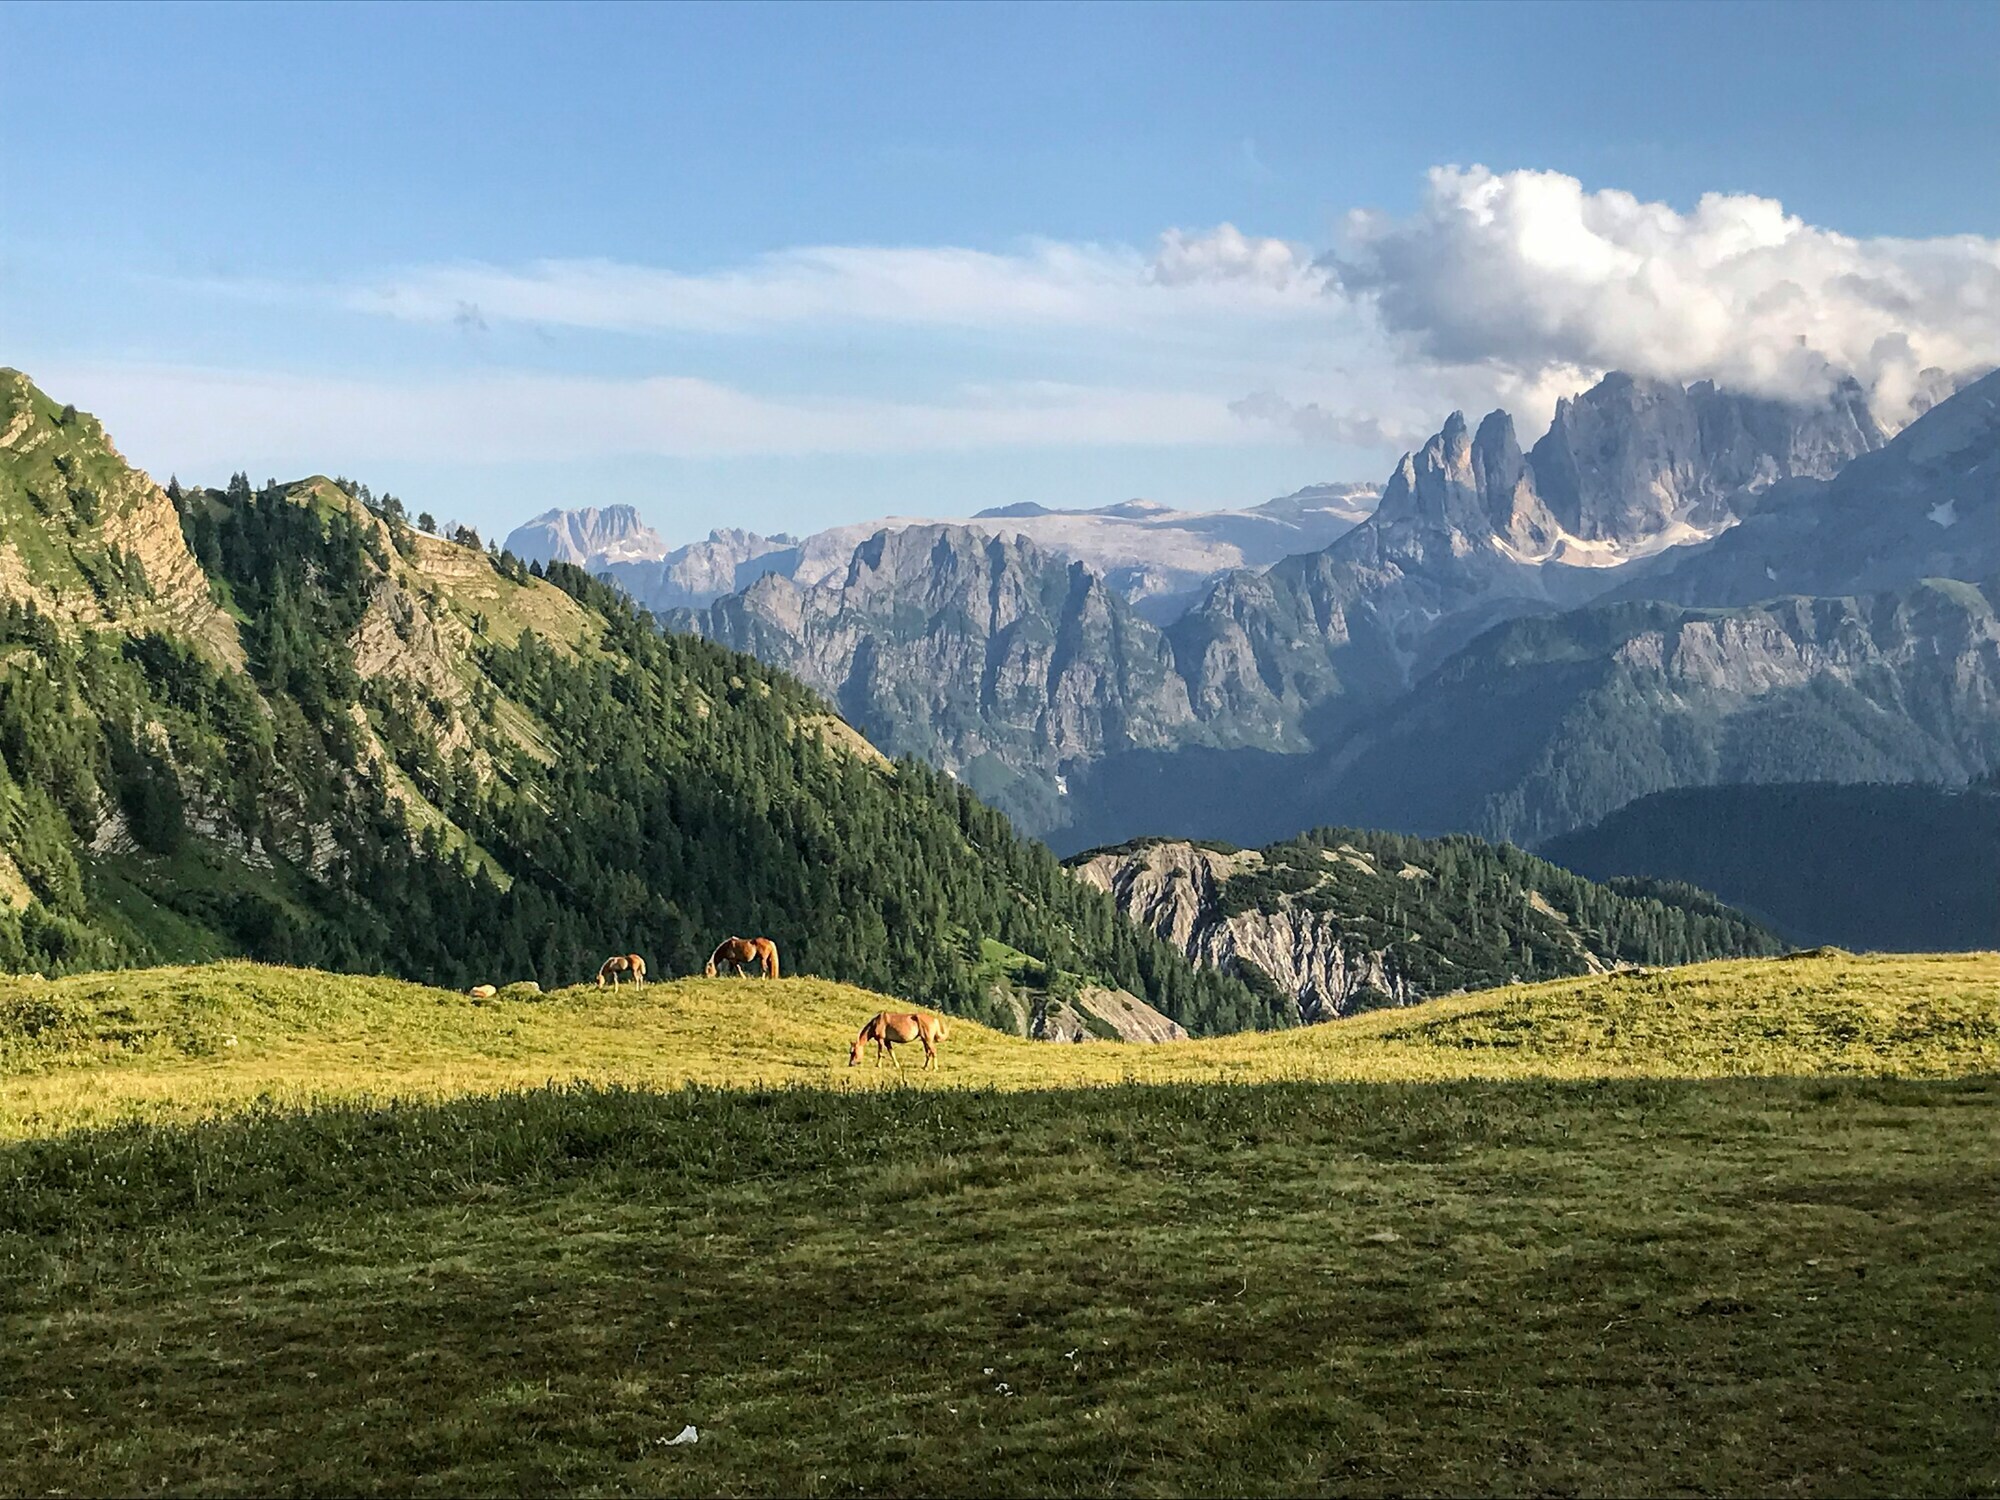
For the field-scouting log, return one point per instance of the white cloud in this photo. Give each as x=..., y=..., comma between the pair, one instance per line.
x=1048, y=284
x=200, y=421
x=1227, y=254
x=1529, y=276
x=1501, y=289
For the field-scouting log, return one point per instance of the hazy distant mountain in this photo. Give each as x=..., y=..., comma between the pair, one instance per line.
x=1365, y=682
x=590, y=537
x=1158, y=558
x=986, y=655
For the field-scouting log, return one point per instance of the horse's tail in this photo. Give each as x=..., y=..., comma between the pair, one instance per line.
x=771, y=954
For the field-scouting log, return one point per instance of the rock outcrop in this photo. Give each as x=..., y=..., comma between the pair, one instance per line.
x=1342, y=921
x=87, y=538
x=1176, y=890
x=1101, y=1015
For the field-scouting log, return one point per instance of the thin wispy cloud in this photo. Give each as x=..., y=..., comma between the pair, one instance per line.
x=215, y=418
x=1048, y=285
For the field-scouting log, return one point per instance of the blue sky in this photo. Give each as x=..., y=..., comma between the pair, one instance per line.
x=788, y=266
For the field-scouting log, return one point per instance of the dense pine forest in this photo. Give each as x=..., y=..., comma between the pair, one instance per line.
x=1908, y=867
x=421, y=758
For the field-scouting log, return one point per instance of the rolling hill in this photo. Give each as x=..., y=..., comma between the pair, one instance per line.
x=184, y=1042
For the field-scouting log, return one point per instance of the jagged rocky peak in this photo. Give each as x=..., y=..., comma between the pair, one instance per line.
x=589, y=537
x=1471, y=484
x=1507, y=490
x=1634, y=459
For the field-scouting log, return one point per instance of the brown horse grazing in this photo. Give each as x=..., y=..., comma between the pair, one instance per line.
x=621, y=963
x=760, y=954
x=889, y=1027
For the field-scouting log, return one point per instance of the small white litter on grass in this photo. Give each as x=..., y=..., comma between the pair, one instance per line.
x=685, y=1435
x=1382, y=1237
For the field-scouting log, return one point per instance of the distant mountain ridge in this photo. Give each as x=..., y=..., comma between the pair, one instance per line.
x=1159, y=558
x=1475, y=654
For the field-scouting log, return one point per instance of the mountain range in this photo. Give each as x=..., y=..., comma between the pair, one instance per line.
x=280, y=722
x=1158, y=558
x=1491, y=649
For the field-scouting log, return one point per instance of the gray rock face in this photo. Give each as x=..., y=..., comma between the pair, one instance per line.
x=1925, y=506
x=1176, y=890
x=702, y=572
x=1101, y=1015
x=589, y=538
x=1471, y=532
x=1632, y=460
x=984, y=655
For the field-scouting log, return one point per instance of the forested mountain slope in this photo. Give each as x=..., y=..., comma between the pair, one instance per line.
x=1340, y=920
x=1911, y=868
x=292, y=728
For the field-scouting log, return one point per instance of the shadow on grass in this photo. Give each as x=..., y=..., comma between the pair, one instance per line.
x=1738, y=1285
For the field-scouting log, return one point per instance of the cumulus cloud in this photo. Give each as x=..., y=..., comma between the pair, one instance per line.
x=1528, y=275
x=1225, y=253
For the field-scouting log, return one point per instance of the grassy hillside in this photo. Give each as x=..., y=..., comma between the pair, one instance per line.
x=1915, y=868
x=1236, y=1277
x=176, y=1043
x=300, y=731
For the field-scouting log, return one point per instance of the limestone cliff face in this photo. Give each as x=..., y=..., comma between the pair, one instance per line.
x=1925, y=506
x=983, y=654
x=1632, y=459
x=1101, y=1015
x=1471, y=531
x=1176, y=889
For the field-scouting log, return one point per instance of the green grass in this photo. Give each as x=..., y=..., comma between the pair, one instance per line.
x=1564, y=1238
x=187, y=1042
x=1656, y=1286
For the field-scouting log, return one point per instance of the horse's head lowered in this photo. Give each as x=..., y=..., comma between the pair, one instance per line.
x=708, y=969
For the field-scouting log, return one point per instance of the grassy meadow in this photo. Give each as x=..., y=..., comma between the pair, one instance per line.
x=1724, y=1229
